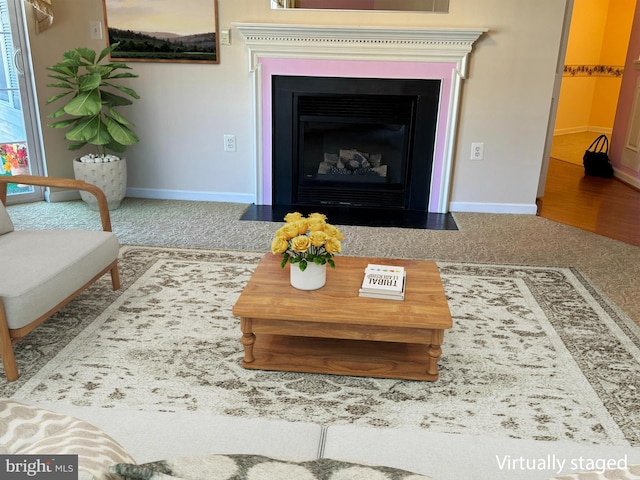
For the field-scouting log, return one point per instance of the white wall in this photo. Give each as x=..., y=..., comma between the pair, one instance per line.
x=186, y=109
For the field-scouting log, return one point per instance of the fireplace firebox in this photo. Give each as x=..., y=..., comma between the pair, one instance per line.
x=355, y=142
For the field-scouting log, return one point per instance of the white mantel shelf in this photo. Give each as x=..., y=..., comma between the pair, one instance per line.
x=420, y=44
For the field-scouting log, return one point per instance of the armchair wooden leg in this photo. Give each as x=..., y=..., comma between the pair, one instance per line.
x=115, y=277
x=6, y=348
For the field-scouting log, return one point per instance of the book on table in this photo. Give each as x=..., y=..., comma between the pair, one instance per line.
x=383, y=281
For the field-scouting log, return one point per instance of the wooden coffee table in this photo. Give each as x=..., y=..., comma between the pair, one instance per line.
x=334, y=331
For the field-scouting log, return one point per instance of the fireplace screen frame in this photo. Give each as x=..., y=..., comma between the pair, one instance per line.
x=424, y=96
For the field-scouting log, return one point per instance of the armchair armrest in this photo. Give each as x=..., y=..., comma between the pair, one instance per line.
x=66, y=183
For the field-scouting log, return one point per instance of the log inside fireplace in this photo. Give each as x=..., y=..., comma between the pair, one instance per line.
x=355, y=142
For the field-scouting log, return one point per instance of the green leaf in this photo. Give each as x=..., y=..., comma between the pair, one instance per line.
x=285, y=259
x=72, y=63
x=86, y=53
x=115, y=147
x=64, y=123
x=303, y=265
x=76, y=146
x=106, y=51
x=119, y=118
x=86, y=103
x=102, y=136
x=118, y=65
x=64, y=70
x=72, y=56
x=63, y=78
x=56, y=97
x=121, y=133
x=122, y=88
x=112, y=100
x=89, y=82
x=60, y=85
x=331, y=263
x=84, y=130
x=124, y=75
x=102, y=70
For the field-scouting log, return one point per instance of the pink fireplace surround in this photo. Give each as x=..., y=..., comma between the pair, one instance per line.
x=337, y=55
x=357, y=69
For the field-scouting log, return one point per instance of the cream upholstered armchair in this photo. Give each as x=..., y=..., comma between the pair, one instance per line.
x=43, y=270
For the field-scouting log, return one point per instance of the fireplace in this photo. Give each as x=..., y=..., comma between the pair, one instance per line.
x=356, y=142
x=433, y=55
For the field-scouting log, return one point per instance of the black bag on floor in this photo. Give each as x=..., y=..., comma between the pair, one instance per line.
x=596, y=158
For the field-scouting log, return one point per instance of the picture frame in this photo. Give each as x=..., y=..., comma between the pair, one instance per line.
x=163, y=30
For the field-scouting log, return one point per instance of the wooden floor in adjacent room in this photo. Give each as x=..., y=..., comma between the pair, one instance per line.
x=605, y=206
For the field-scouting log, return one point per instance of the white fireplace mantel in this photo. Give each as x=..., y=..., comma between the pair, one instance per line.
x=424, y=44
x=409, y=45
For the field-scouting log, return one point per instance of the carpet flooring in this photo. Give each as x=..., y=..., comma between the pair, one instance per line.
x=612, y=266
x=609, y=267
x=535, y=353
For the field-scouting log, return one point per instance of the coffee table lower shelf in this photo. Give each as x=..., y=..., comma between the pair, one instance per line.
x=341, y=357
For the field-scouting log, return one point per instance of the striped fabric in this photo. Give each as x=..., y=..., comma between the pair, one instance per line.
x=27, y=430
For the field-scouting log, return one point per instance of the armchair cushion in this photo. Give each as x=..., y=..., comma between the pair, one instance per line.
x=6, y=225
x=44, y=270
x=59, y=263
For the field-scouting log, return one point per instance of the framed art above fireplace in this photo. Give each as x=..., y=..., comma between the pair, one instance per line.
x=185, y=31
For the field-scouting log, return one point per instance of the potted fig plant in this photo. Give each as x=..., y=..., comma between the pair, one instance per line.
x=91, y=98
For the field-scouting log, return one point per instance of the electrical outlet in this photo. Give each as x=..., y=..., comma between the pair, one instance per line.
x=229, y=143
x=477, y=151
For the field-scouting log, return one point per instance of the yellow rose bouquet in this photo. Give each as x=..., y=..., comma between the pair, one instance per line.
x=307, y=239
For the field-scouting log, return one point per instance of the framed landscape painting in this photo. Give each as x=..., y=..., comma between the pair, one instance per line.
x=163, y=30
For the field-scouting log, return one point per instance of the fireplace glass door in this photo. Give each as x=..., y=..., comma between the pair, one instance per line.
x=350, y=146
x=355, y=142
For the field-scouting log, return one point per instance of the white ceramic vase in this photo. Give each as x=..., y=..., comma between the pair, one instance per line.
x=111, y=177
x=313, y=277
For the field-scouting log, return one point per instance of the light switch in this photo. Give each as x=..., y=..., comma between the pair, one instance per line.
x=95, y=30
x=225, y=37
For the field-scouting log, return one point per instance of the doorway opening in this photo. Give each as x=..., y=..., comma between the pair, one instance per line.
x=592, y=76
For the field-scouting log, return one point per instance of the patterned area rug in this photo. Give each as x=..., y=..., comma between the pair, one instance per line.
x=535, y=353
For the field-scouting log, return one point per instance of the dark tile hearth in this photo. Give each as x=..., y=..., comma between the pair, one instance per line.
x=366, y=217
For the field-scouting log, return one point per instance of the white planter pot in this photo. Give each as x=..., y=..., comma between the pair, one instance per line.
x=314, y=276
x=111, y=177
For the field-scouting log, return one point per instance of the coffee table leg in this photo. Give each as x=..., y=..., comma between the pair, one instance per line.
x=248, y=339
x=434, y=351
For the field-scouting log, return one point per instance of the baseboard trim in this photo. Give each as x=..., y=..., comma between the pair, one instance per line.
x=508, y=208
x=586, y=129
x=61, y=195
x=568, y=131
x=67, y=195
x=158, y=194
x=605, y=130
x=628, y=179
